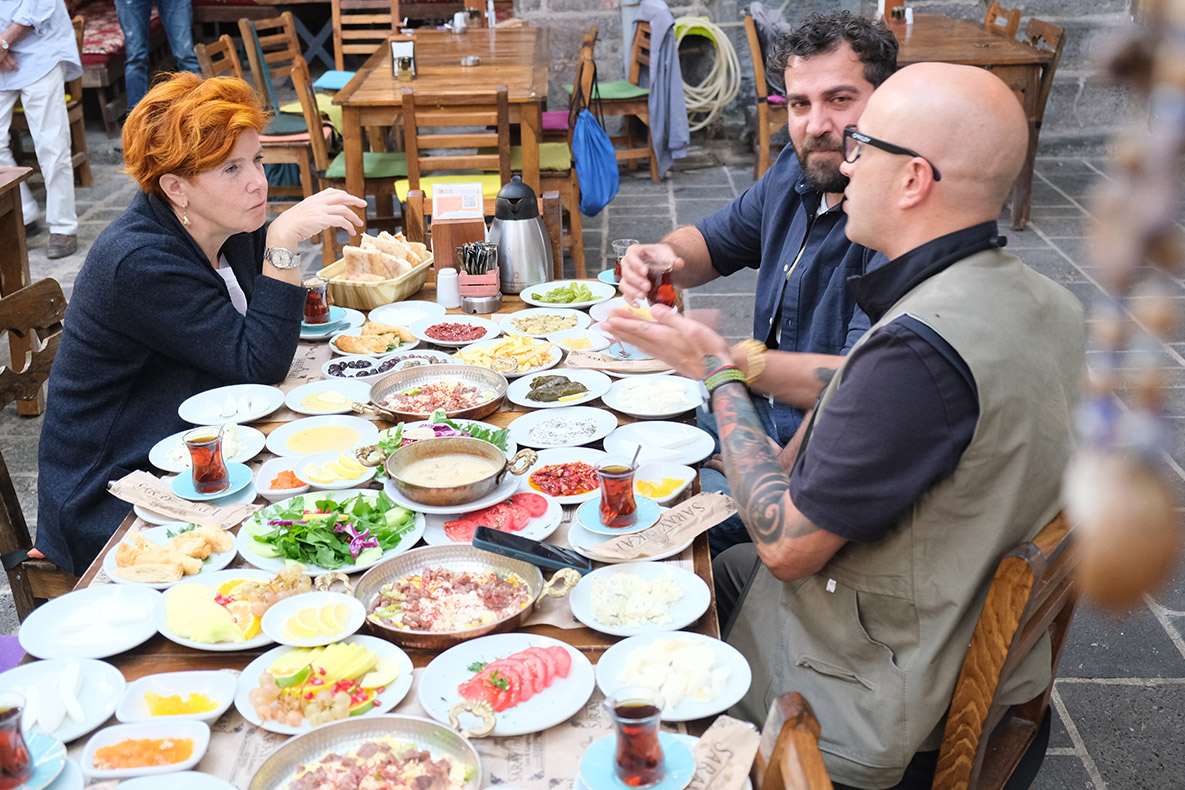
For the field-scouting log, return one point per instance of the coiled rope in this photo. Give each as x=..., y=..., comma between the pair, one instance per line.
x=723, y=82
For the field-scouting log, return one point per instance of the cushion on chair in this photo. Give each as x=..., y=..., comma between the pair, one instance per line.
x=103, y=37
x=552, y=156
x=303, y=137
x=281, y=125
x=374, y=165
x=617, y=89
x=324, y=104
x=333, y=80
x=774, y=98
x=555, y=121
x=490, y=184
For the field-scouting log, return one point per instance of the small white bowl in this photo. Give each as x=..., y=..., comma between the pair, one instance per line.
x=655, y=473
x=320, y=459
x=277, y=615
x=217, y=685
x=198, y=731
x=598, y=339
x=268, y=472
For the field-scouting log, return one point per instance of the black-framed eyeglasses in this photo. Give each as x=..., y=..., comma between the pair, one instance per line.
x=853, y=139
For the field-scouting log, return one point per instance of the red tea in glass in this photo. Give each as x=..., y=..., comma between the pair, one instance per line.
x=662, y=290
x=316, y=305
x=618, y=508
x=636, y=713
x=16, y=766
x=210, y=474
x=620, y=246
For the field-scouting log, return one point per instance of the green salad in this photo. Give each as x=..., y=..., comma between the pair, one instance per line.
x=566, y=294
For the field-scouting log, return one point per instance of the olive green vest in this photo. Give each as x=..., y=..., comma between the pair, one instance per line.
x=875, y=640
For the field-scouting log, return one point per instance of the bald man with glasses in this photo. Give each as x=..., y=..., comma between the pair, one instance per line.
x=938, y=446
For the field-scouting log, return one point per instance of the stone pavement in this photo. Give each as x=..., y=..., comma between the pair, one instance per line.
x=1120, y=701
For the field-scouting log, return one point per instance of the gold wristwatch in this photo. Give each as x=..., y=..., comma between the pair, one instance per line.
x=754, y=351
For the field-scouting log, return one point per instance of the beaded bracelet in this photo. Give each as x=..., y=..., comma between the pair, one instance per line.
x=722, y=376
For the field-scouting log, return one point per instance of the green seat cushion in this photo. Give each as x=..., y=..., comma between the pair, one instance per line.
x=618, y=89
x=490, y=184
x=324, y=104
x=552, y=156
x=374, y=165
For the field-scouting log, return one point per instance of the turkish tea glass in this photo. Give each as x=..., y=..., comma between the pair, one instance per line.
x=636, y=712
x=619, y=248
x=316, y=301
x=662, y=290
x=210, y=474
x=618, y=507
x=16, y=764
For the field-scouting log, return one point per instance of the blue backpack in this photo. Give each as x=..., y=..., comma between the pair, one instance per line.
x=596, y=163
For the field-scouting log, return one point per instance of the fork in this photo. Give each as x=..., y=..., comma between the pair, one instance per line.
x=621, y=350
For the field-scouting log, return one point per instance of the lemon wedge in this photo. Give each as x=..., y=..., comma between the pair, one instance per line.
x=303, y=625
x=332, y=618
x=350, y=465
x=319, y=474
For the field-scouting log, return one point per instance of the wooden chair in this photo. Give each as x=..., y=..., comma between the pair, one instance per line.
x=557, y=123
x=1032, y=594
x=771, y=117
x=550, y=207
x=361, y=26
x=1002, y=21
x=624, y=98
x=80, y=160
x=35, y=313
x=444, y=122
x=272, y=45
x=219, y=59
x=380, y=168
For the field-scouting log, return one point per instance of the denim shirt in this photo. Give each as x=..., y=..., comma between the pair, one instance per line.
x=50, y=42
x=764, y=229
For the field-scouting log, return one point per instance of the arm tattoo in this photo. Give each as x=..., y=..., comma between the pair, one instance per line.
x=758, y=482
x=824, y=375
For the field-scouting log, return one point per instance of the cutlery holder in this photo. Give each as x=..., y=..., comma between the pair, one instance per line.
x=487, y=284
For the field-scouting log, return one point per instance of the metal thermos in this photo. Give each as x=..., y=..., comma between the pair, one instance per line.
x=524, y=250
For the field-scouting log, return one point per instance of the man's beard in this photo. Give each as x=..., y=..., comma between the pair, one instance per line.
x=823, y=176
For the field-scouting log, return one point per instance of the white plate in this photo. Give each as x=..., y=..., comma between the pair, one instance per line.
x=277, y=440
x=252, y=440
x=237, y=498
x=320, y=459
x=538, y=528
x=267, y=473
x=419, y=329
x=277, y=615
x=605, y=309
x=683, y=612
x=603, y=423
x=692, y=397
x=583, y=541
x=596, y=382
x=159, y=536
x=578, y=784
x=508, y=486
x=555, y=704
x=598, y=341
x=404, y=345
x=390, y=697
x=555, y=354
x=102, y=686
x=506, y=320
x=656, y=472
x=95, y=622
x=199, y=731
x=363, y=368
x=354, y=389
x=218, y=685
x=160, y=614
x=353, y=320
x=613, y=661
x=206, y=408
x=661, y=441
x=247, y=545
x=406, y=313
x=183, y=780
x=601, y=292
x=511, y=446
x=565, y=455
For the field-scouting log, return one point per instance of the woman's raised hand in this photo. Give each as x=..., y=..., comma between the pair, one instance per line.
x=329, y=208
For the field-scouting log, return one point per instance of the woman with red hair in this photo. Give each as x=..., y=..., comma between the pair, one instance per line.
x=187, y=290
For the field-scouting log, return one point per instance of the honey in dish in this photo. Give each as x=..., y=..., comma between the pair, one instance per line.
x=444, y=470
x=322, y=439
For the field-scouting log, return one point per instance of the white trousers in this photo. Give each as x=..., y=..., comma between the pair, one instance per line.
x=45, y=109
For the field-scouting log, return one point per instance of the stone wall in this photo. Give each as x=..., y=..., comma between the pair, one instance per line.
x=1082, y=113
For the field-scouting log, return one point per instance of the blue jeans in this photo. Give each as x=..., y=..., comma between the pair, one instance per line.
x=732, y=530
x=134, y=16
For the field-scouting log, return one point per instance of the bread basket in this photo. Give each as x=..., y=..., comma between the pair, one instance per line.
x=369, y=295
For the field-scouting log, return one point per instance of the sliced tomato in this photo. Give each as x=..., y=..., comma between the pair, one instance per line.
x=537, y=667
x=479, y=688
x=461, y=530
x=550, y=665
x=519, y=518
x=563, y=660
x=536, y=505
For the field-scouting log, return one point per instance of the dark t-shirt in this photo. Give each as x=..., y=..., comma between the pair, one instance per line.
x=767, y=228
x=905, y=411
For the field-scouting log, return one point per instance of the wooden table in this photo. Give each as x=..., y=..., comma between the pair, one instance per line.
x=934, y=37
x=14, y=266
x=162, y=655
x=515, y=58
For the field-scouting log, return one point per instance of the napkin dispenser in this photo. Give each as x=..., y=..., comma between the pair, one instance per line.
x=524, y=250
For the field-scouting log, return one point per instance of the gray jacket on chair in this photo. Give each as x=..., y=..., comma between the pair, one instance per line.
x=668, y=111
